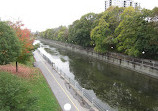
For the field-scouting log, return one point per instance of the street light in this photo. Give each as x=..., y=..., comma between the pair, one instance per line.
x=143, y=52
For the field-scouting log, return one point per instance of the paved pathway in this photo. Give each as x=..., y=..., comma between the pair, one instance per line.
x=57, y=85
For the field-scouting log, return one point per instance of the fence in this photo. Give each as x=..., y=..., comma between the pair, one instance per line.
x=75, y=85
x=143, y=62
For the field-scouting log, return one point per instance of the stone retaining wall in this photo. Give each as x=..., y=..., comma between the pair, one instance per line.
x=144, y=66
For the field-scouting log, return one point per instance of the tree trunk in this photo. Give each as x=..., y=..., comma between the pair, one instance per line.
x=16, y=66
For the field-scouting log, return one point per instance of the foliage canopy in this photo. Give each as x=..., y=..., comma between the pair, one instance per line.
x=9, y=44
x=127, y=30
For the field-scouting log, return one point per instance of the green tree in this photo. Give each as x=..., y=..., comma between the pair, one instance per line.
x=103, y=34
x=60, y=33
x=99, y=34
x=72, y=32
x=79, y=31
x=126, y=32
x=9, y=44
x=152, y=50
x=137, y=33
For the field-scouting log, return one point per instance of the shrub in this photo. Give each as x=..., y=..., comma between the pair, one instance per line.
x=15, y=94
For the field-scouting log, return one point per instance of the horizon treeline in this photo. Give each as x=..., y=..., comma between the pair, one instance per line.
x=125, y=30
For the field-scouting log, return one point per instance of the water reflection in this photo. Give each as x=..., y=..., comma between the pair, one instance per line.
x=120, y=88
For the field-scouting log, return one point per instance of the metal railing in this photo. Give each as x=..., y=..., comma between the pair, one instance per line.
x=76, y=86
x=137, y=61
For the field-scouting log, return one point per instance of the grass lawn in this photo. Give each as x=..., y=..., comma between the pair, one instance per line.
x=47, y=101
x=37, y=84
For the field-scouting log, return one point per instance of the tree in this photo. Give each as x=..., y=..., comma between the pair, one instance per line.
x=99, y=35
x=79, y=31
x=72, y=32
x=60, y=33
x=137, y=33
x=103, y=34
x=9, y=44
x=24, y=36
x=126, y=32
x=152, y=50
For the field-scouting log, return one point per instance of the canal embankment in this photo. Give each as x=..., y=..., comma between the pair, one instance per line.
x=143, y=66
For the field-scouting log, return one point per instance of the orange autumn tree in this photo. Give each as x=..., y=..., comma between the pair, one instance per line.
x=24, y=36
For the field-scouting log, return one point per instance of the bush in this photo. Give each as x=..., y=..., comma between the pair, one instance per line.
x=15, y=94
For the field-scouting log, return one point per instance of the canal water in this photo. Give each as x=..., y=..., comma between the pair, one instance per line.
x=113, y=86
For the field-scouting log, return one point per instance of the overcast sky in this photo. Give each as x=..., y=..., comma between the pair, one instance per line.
x=39, y=15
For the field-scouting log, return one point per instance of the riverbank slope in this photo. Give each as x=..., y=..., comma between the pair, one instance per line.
x=40, y=92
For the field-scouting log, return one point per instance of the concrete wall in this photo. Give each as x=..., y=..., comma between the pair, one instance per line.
x=144, y=66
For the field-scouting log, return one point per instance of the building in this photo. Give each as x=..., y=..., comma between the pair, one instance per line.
x=121, y=3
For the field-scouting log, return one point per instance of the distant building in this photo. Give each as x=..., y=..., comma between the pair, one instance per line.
x=121, y=3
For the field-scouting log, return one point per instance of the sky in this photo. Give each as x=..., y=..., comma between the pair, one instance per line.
x=39, y=15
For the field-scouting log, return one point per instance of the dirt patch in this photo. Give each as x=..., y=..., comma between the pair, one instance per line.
x=23, y=71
